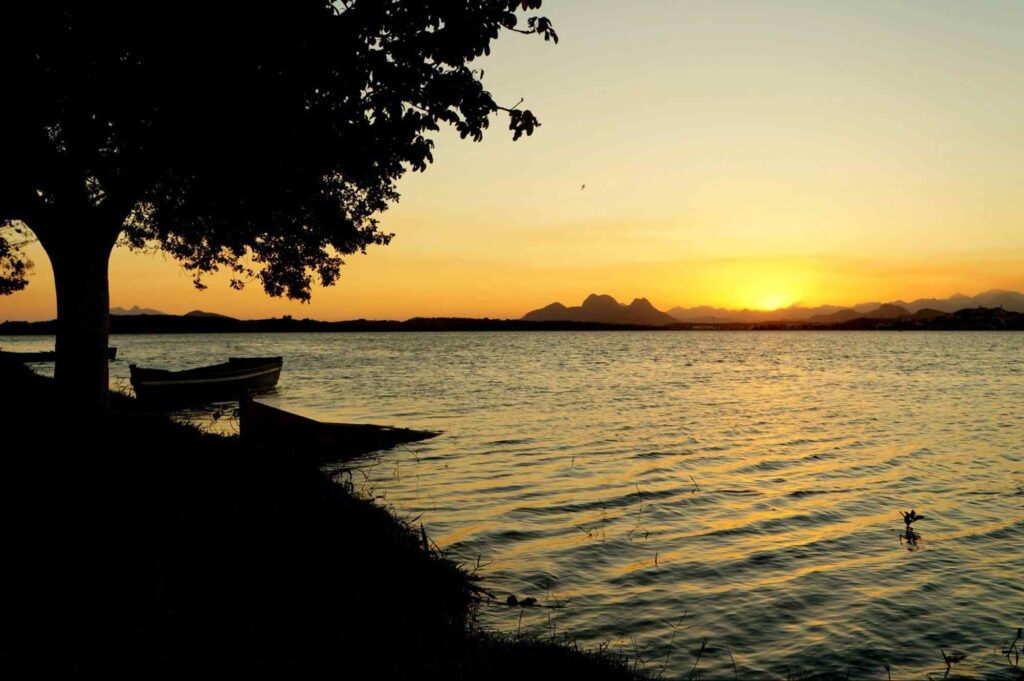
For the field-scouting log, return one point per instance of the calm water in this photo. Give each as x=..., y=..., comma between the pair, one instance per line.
x=749, y=481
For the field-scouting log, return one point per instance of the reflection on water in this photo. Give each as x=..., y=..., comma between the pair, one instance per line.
x=751, y=481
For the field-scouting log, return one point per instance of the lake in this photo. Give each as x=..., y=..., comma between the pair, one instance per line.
x=671, y=488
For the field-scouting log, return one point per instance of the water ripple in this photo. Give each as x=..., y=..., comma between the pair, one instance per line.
x=750, y=480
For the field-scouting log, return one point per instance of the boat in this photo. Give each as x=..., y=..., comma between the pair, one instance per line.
x=278, y=431
x=230, y=380
x=43, y=356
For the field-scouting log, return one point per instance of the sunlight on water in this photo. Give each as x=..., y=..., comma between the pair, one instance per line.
x=751, y=481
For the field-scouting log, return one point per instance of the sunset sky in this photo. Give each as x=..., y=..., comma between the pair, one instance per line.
x=740, y=154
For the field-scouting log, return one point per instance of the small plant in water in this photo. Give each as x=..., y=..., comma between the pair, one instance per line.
x=1011, y=648
x=911, y=537
x=700, y=654
x=951, y=658
x=910, y=518
x=672, y=642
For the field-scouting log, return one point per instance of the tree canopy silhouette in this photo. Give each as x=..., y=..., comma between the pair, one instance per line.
x=262, y=138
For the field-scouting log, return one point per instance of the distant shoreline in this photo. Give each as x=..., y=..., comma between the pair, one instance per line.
x=970, y=319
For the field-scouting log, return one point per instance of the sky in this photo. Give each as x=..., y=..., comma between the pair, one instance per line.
x=738, y=154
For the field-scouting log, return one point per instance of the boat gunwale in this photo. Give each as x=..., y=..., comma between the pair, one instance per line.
x=238, y=374
x=222, y=378
x=233, y=367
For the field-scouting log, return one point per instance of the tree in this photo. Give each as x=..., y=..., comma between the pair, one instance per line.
x=259, y=138
x=14, y=266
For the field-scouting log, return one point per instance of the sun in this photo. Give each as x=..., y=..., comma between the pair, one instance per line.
x=764, y=284
x=772, y=301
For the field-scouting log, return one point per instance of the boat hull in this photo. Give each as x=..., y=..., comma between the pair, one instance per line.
x=228, y=381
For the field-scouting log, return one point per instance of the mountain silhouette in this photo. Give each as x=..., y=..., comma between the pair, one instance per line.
x=837, y=317
x=603, y=309
x=705, y=314
x=201, y=313
x=927, y=314
x=135, y=310
x=885, y=311
x=831, y=314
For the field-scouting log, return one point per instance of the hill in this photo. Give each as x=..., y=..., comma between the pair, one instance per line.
x=886, y=311
x=705, y=314
x=1011, y=301
x=201, y=313
x=603, y=309
x=968, y=319
x=135, y=310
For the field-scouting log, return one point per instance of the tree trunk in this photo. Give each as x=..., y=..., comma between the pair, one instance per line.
x=83, y=326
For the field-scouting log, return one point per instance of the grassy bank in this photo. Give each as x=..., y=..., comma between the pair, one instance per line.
x=146, y=547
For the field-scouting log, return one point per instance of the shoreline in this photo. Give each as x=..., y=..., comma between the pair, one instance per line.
x=148, y=547
x=968, y=319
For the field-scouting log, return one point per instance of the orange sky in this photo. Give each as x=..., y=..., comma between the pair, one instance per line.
x=740, y=154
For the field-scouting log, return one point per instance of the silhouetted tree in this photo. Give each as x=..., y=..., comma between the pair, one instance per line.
x=262, y=138
x=14, y=267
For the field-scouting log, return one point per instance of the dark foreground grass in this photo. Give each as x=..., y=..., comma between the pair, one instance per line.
x=145, y=548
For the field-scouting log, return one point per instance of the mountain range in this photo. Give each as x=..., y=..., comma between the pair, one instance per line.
x=136, y=311
x=605, y=309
